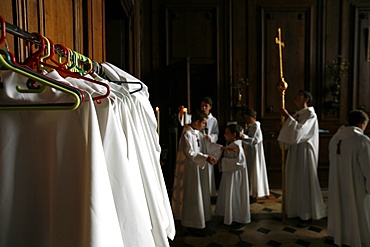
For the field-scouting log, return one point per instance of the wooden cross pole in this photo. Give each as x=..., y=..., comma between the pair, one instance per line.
x=282, y=86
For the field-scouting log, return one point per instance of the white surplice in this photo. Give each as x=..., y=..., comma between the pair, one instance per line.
x=125, y=178
x=139, y=127
x=55, y=188
x=349, y=187
x=253, y=142
x=213, y=131
x=191, y=199
x=233, y=194
x=300, y=133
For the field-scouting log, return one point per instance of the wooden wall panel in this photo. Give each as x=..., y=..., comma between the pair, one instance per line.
x=28, y=17
x=360, y=55
x=65, y=22
x=186, y=27
x=60, y=24
x=7, y=14
x=299, y=45
x=95, y=34
x=193, y=32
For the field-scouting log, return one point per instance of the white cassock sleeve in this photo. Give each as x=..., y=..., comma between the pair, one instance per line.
x=294, y=132
x=235, y=160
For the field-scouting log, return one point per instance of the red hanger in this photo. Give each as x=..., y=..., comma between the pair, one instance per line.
x=62, y=68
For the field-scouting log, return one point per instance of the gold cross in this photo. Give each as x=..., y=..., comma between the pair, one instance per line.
x=281, y=44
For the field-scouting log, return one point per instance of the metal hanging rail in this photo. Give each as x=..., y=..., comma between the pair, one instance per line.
x=15, y=30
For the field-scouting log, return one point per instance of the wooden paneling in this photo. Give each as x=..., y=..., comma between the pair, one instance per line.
x=94, y=30
x=95, y=34
x=182, y=29
x=7, y=14
x=360, y=55
x=186, y=27
x=123, y=35
x=297, y=25
x=61, y=21
x=192, y=32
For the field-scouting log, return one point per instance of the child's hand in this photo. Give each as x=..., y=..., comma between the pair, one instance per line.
x=212, y=160
x=208, y=137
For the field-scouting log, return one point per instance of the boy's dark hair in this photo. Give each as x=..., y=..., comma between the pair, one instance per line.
x=306, y=95
x=198, y=115
x=234, y=128
x=250, y=112
x=357, y=117
x=207, y=100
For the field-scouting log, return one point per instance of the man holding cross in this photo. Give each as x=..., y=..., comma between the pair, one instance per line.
x=300, y=133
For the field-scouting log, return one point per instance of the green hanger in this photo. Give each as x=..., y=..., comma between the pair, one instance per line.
x=6, y=62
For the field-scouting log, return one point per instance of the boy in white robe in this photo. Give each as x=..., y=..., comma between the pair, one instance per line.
x=349, y=183
x=300, y=133
x=210, y=131
x=191, y=200
x=253, y=143
x=233, y=196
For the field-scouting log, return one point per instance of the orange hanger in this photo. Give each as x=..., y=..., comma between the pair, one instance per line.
x=62, y=68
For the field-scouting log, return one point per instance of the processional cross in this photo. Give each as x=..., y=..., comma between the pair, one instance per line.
x=282, y=86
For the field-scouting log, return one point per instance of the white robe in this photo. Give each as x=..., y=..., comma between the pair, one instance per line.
x=139, y=153
x=349, y=187
x=55, y=188
x=213, y=131
x=138, y=156
x=253, y=142
x=301, y=137
x=191, y=202
x=233, y=194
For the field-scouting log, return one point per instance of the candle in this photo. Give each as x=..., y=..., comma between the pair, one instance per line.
x=185, y=110
x=157, y=113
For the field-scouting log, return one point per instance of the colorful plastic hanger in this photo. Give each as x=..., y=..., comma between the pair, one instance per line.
x=5, y=62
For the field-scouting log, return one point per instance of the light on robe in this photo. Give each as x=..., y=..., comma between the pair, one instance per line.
x=157, y=113
x=185, y=110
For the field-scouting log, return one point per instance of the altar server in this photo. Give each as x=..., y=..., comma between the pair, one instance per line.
x=300, y=133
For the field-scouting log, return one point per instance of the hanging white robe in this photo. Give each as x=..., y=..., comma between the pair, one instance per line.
x=253, y=142
x=233, y=194
x=300, y=133
x=149, y=126
x=55, y=188
x=126, y=182
x=349, y=187
x=191, y=200
x=143, y=116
